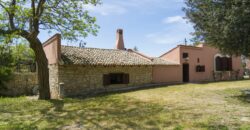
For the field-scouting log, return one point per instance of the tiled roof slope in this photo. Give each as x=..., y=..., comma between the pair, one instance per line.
x=95, y=56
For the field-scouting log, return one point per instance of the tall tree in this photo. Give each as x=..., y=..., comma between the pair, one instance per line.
x=224, y=24
x=26, y=18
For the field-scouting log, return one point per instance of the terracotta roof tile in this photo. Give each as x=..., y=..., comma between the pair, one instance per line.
x=95, y=56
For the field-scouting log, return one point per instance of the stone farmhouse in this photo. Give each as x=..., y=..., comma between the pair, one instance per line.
x=79, y=71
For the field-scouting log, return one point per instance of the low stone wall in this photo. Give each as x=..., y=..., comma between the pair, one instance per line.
x=79, y=80
x=21, y=84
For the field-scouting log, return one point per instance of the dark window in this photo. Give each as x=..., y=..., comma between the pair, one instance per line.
x=223, y=64
x=200, y=68
x=198, y=60
x=218, y=65
x=185, y=55
x=115, y=78
x=106, y=80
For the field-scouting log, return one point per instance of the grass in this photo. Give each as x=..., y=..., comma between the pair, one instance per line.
x=212, y=106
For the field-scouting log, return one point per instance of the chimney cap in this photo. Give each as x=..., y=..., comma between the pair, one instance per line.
x=120, y=31
x=119, y=40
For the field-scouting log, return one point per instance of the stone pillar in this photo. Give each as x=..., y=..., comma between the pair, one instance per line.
x=61, y=90
x=54, y=81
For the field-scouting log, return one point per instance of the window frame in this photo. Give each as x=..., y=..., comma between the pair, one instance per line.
x=185, y=55
x=200, y=68
x=223, y=63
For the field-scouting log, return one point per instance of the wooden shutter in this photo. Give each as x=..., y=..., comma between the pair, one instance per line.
x=203, y=68
x=218, y=64
x=224, y=64
x=230, y=64
x=106, y=80
x=197, y=68
x=126, y=78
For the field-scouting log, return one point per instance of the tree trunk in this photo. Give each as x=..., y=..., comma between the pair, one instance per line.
x=43, y=70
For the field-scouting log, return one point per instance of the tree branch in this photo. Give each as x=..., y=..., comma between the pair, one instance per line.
x=4, y=7
x=16, y=31
x=40, y=8
x=12, y=14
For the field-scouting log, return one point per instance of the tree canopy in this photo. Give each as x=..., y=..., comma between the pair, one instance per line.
x=224, y=24
x=66, y=17
x=27, y=18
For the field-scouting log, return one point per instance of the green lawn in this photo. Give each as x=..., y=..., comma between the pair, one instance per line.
x=213, y=106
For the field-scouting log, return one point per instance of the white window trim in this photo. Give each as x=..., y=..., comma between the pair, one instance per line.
x=219, y=55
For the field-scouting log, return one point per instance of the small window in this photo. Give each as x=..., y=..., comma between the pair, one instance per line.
x=198, y=60
x=115, y=78
x=185, y=55
x=200, y=68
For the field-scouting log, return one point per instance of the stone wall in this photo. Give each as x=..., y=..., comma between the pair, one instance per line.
x=79, y=80
x=53, y=81
x=21, y=84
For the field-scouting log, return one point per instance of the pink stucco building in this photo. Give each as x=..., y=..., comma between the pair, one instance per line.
x=87, y=70
x=204, y=63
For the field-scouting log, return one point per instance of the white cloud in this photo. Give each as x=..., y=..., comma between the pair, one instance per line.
x=118, y=7
x=148, y=3
x=174, y=19
x=106, y=9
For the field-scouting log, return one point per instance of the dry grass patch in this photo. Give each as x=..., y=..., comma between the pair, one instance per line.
x=213, y=106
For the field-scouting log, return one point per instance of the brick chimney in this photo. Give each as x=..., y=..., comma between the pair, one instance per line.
x=52, y=49
x=119, y=40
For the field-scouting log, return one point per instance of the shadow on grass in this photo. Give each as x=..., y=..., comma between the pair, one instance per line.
x=244, y=96
x=212, y=126
x=107, y=112
x=219, y=81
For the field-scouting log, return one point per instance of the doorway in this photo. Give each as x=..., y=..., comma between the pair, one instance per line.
x=185, y=73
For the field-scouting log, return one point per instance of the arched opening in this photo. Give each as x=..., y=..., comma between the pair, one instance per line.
x=223, y=63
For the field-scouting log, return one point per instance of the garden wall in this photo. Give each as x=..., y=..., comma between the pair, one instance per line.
x=20, y=84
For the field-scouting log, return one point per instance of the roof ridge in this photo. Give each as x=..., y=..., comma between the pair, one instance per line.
x=92, y=48
x=165, y=60
x=140, y=54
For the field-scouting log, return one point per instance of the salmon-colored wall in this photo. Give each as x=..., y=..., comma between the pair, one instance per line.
x=52, y=49
x=172, y=55
x=206, y=57
x=167, y=74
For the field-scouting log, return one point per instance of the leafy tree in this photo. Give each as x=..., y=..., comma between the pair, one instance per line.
x=224, y=24
x=26, y=18
x=22, y=53
x=6, y=61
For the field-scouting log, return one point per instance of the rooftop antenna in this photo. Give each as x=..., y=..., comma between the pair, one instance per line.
x=82, y=44
x=185, y=41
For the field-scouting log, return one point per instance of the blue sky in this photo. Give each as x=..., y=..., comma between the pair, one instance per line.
x=154, y=26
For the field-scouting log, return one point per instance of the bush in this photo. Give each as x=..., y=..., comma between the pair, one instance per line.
x=6, y=61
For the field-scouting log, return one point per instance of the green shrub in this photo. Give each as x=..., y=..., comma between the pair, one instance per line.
x=6, y=61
